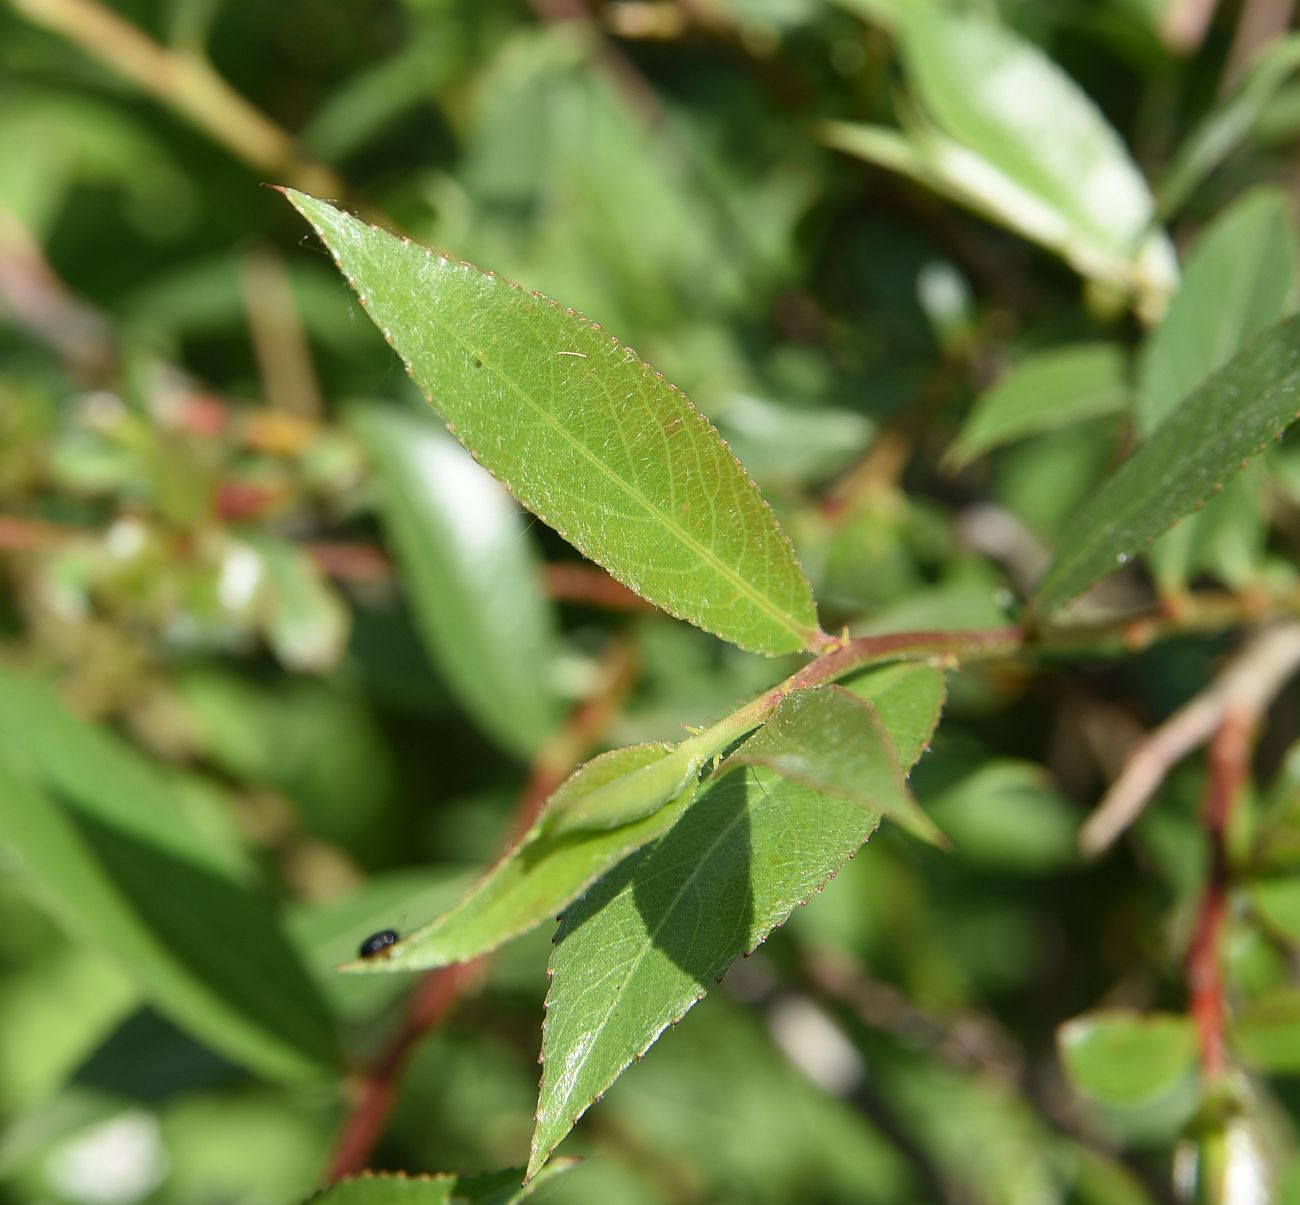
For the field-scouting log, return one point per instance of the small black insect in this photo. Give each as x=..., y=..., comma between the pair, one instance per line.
x=377, y=943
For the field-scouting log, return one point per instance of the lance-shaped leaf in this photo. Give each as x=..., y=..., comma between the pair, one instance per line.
x=586, y=435
x=832, y=742
x=99, y=841
x=547, y=869
x=473, y=578
x=1239, y=278
x=642, y=946
x=1045, y=391
x=1211, y=436
x=483, y=1188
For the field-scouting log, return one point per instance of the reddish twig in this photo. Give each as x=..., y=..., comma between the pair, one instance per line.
x=1228, y=771
x=434, y=998
x=1245, y=687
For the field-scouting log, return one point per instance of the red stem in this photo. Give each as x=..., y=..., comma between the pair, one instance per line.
x=1228, y=772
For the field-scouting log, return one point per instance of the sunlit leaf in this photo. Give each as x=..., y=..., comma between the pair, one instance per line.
x=585, y=435
x=1212, y=435
x=1004, y=130
x=544, y=872
x=649, y=940
x=474, y=581
x=100, y=843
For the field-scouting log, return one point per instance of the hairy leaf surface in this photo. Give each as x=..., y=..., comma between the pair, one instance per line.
x=586, y=435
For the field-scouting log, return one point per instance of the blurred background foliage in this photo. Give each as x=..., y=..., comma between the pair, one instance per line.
x=325, y=659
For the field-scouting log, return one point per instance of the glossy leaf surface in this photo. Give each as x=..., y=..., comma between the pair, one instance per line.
x=585, y=435
x=1212, y=435
x=649, y=940
x=473, y=579
x=99, y=840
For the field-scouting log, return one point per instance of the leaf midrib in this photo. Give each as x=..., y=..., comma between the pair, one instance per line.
x=685, y=537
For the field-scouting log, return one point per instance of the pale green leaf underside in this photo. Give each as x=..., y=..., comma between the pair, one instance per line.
x=100, y=840
x=832, y=742
x=542, y=874
x=1212, y=435
x=585, y=435
x=1044, y=392
x=649, y=940
x=483, y=1188
x=471, y=573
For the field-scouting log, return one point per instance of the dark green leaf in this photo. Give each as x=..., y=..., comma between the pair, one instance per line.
x=1212, y=435
x=585, y=435
x=471, y=573
x=1240, y=278
x=98, y=838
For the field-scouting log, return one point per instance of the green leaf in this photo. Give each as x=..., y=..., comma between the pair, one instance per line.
x=1238, y=279
x=485, y=1188
x=908, y=695
x=1277, y=903
x=585, y=435
x=545, y=871
x=832, y=742
x=98, y=839
x=1228, y=124
x=1126, y=1059
x=1208, y=438
x=1045, y=391
x=471, y=573
x=1007, y=815
x=642, y=946
x=1009, y=134
x=1267, y=1032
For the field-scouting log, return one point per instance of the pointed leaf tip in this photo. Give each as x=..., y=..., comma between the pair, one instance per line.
x=587, y=436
